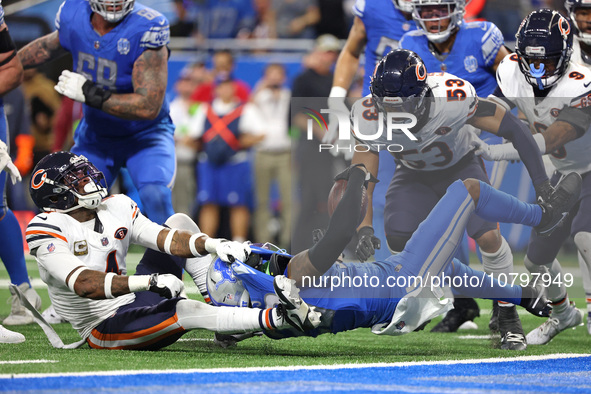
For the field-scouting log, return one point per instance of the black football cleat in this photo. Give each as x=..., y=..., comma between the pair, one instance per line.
x=556, y=209
x=465, y=309
x=512, y=336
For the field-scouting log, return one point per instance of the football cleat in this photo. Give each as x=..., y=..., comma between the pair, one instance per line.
x=512, y=337
x=534, y=300
x=589, y=323
x=465, y=309
x=571, y=317
x=7, y=336
x=295, y=310
x=18, y=313
x=51, y=316
x=556, y=209
x=493, y=324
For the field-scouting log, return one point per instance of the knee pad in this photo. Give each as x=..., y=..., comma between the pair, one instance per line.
x=182, y=222
x=396, y=243
x=157, y=202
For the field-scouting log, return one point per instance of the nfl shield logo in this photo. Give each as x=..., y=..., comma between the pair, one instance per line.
x=123, y=46
x=51, y=248
x=105, y=241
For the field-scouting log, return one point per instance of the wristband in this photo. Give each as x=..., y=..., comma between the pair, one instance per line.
x=108, y=282
x=168, y=240
x=192, y=246
x=338, y=91
x=138, y=283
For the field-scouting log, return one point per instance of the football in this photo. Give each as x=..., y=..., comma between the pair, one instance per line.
x=336, y=194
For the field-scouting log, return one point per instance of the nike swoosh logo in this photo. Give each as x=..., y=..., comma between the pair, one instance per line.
x=42, y=218
x=587, y=84
x=162, y=22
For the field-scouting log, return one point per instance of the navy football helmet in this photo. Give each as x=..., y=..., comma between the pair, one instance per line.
x=112, y=10
x=399, y=84
x=572, y=6
x=437, y=11
x=544, y=47
x=55, y=183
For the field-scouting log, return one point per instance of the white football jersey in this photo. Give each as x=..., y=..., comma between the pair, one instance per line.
x=445, y=138
x=573, y=89
x=100, y=245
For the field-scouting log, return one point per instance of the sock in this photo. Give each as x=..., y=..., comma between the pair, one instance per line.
x=499, y=262
x=477, y=284
x=555, y=290
x=560, y=306
x=197, y=267
x=496, y=206
x=11, y=252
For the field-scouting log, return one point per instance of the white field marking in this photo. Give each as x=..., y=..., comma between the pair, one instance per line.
x=478, y=336
x=29, y=362
x=195, y=340
x=298, y=367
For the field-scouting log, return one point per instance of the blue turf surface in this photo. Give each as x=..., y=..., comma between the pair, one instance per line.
x=567, y=375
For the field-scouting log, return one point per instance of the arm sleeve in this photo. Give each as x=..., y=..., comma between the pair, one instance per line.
x=145, y=232
x=578, y=118
x=58, y=262
x=519, y=134
x=491, y=43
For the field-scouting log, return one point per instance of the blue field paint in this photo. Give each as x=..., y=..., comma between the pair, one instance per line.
x=565, y=375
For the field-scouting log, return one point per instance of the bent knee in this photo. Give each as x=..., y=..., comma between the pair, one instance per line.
x=491, y=241
x=396, y=243
x=182, y=222
x=473, y=187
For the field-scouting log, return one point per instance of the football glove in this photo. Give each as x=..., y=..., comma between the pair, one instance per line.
x=368, y=243
x=7, y=165
x=78, y=88
x=167, y=285
x=228, y=251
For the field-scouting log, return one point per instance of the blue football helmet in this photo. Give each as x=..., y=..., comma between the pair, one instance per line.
x=112, y=10
x=223, y=287
x=572, y=6
x=399, y=84
x=453, y=10
x=544, y=47
x=55, y=182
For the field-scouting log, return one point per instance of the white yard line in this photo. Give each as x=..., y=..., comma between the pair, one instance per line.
x=29, y=362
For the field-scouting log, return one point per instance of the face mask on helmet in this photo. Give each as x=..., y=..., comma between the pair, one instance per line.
x=544, y=47
x=63, y=182
x=403, y=5
x=579, y=12
x=438, y=18
x=223, y=287
x=112, y=10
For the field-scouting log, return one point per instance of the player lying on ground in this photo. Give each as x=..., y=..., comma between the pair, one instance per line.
x=81, y=241
x=386, y=308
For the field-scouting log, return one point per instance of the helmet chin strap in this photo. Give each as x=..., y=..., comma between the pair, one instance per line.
x=537, y=74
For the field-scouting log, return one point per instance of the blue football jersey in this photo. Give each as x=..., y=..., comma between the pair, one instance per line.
x=384, y=26
x=108, y=60
x=471, y=57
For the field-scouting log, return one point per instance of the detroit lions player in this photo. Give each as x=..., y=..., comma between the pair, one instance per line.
x=377, y=27
x=120, y=73
x=390, y=301
x=446, y=110
x=471, y=51
x=80, y=242
x=11, y=252
x=552, y=92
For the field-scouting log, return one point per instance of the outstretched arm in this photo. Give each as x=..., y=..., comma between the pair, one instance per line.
x=41, y=50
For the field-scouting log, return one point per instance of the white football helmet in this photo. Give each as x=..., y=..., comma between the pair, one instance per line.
x=223, y=287
x=453, y=10
x=112, y=10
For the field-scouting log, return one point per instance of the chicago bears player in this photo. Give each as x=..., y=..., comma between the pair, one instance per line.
x=396, y=296
x=579, y=12
x=11, y=253
x=434, y=151
x=120, y=74
x=377, y=27
x=471, y=51
x=552, y=92
x=80, y=242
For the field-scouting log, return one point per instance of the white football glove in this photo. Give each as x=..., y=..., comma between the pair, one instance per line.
x=7, y=165
x=336, y=102
x=497, y=152
x=167, y=285
x=70, y=85
x=228, y=251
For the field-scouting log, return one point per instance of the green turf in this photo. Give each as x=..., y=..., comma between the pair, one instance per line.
x=198, y=351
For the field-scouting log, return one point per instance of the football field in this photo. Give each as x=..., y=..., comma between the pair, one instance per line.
x=467, y=361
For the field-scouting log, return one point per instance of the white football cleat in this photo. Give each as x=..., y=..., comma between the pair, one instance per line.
x=7, y=336
x=18, y=313
x=297, y=313
x=571, y=317
x=51, y=316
